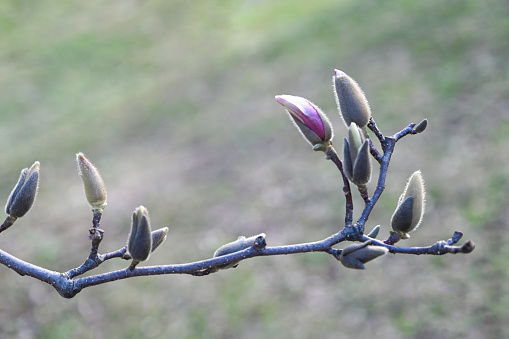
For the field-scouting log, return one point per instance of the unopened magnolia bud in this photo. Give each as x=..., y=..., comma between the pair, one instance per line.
x=139, y=243
x=421, y=126
x=356, y=255
x=309, y=119
x=92, y=182
x=23, y=195
x=374, y=232
x=238, y=245
x=355, y=138
x=347, y=160
x=362, y=167
x=351, y=101
x=408, y=213
x=158, y=237
x=356, y=156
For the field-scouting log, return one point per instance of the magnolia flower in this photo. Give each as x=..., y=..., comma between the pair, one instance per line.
x=23, y=195
x=352, y=103
x=309, y=119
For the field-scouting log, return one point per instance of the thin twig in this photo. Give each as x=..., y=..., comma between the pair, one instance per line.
x=9, y=221
x=374, y=128
x=333, y=156
x=439, y=248
x=94, y=259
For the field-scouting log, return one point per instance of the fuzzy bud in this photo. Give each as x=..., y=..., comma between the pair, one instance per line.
x=309, y=119
x=139, y=243
x=356, y=156
x=238, y=245
x=356, y=255
x=408, y=214
x=421, y=126
x=158, y=237
x=92, y=182
x=352, y=103
x=374, y=232
x=23, y=195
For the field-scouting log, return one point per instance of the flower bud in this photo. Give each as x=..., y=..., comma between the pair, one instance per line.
x=92, y=182
x=421, y=126
x=408, y=213
x=23, y=195
x=356, y=255
x=352, y=104
x=356, y=156
x=139, y=243
x=238, y=245
x=374, y=232
x=309, y=119
x=158, y=237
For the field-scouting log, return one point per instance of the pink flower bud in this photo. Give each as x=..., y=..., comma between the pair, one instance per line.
x=312, y=122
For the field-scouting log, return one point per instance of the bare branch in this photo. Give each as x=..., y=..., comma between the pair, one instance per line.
x=439, y=248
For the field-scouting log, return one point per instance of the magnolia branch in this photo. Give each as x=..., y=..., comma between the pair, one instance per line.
x=355, y=169
x=68, y=286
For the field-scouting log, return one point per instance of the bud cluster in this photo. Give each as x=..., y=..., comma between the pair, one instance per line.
x=316, y=128
x=355, y=112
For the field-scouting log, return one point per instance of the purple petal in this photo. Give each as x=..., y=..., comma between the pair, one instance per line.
x=305, y=111
x=338, y=73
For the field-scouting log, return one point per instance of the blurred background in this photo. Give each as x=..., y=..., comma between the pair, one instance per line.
x=174, y=103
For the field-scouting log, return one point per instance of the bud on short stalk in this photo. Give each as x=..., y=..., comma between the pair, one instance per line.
x=92, y=182
x=356, y=255
x=309, y=119
x=421, y=126
x=356, y=157
x=238, y=245
x=408, y=214
x=374, y=232
x=23, y=195
x=139, y=242
x=352, y=103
